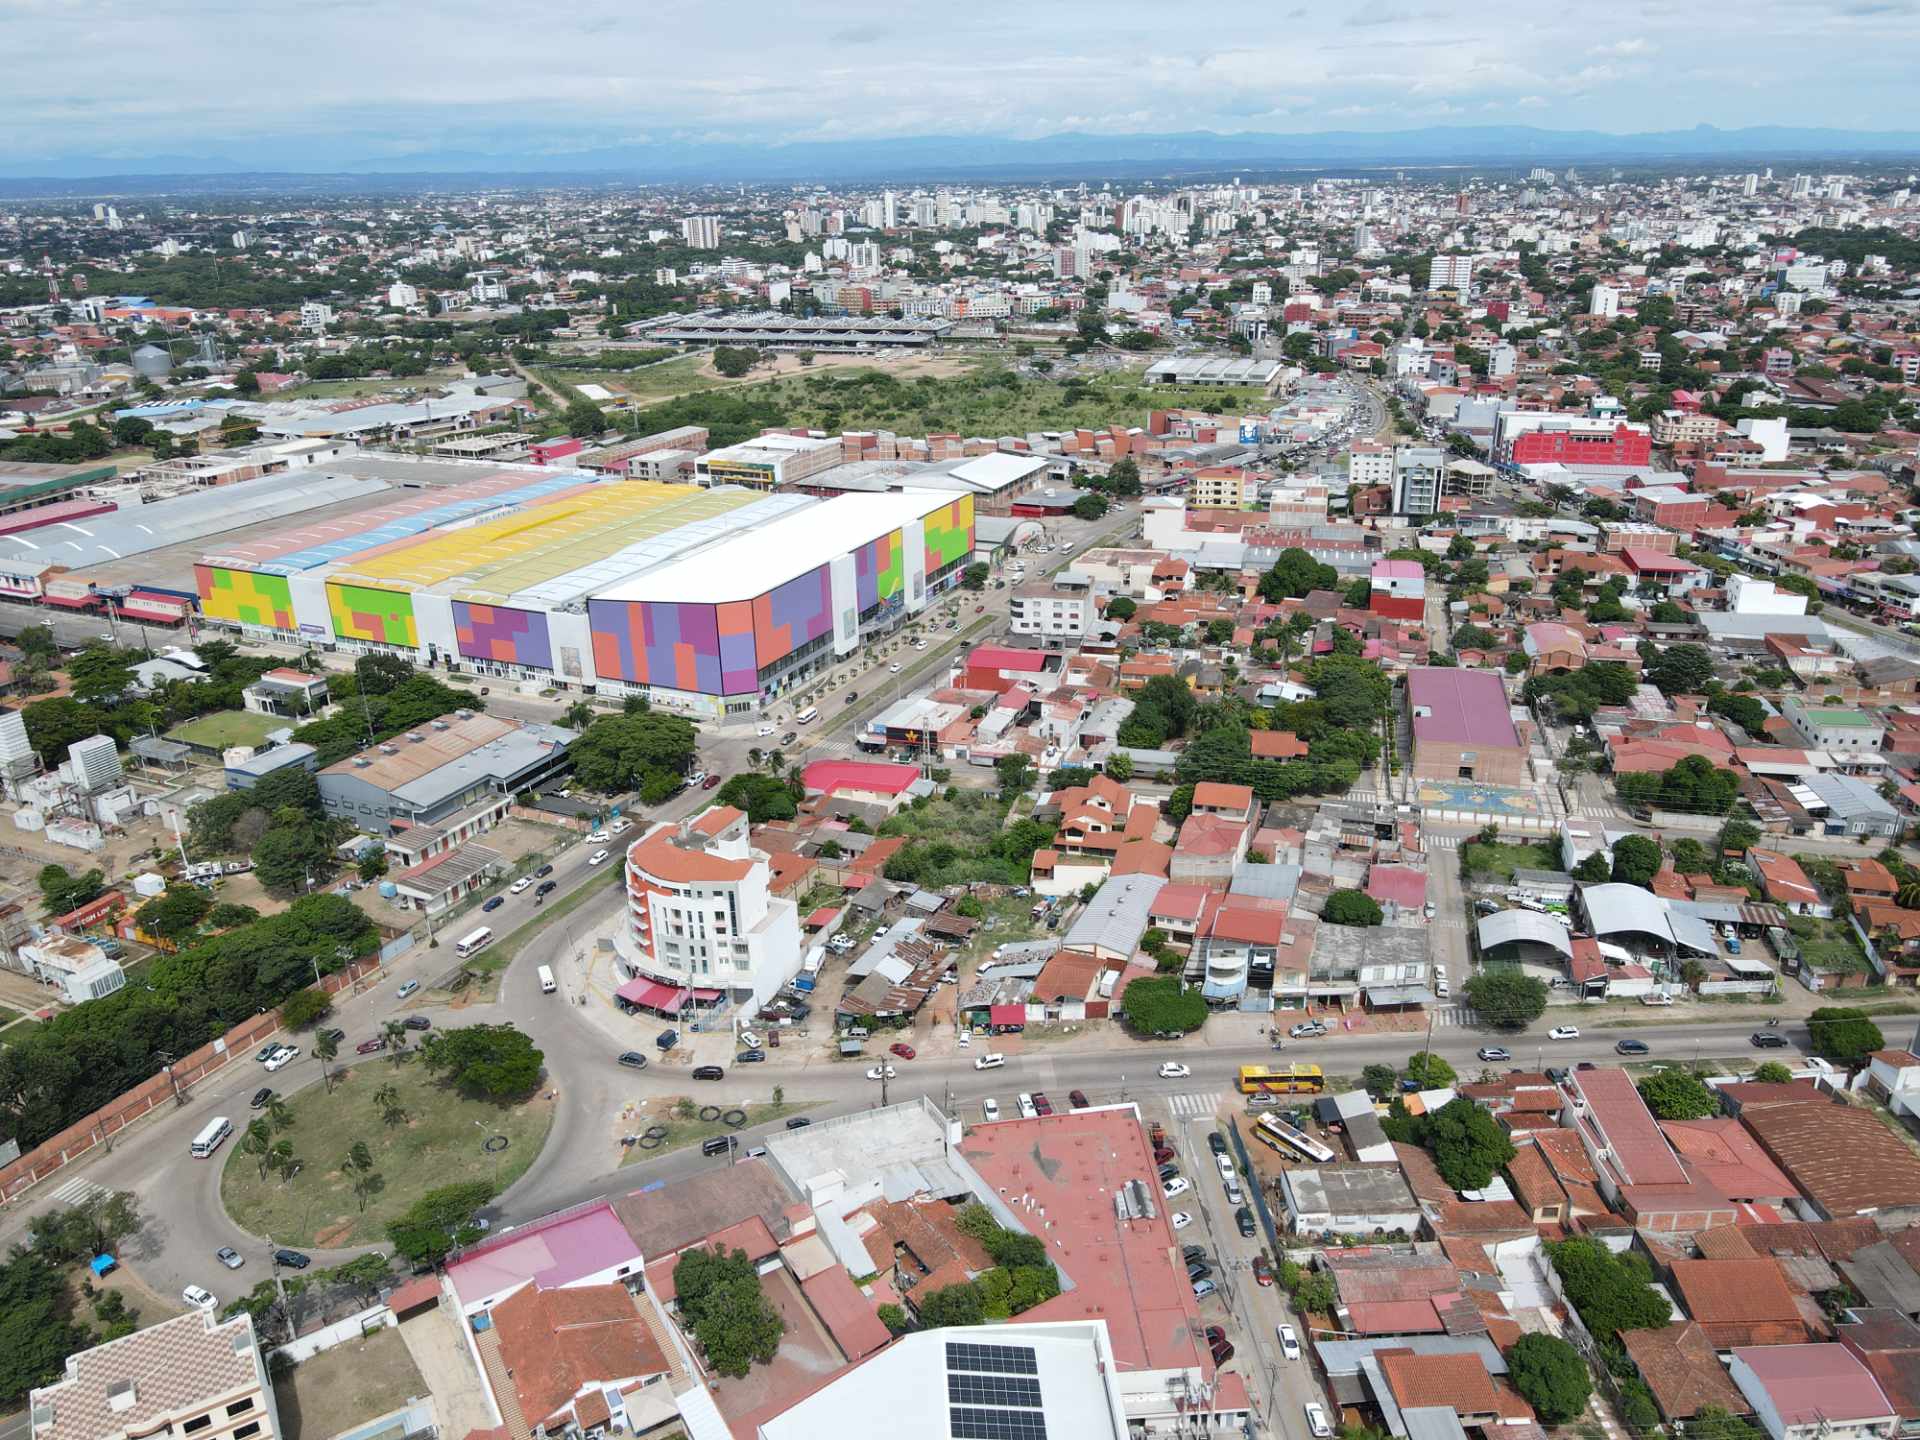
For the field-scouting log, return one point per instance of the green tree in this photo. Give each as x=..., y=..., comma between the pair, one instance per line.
x=305, y=1007
x=37, y=1331
x=63, y=892
x=257, y=1142
x=761, y=797
x=1551, y=1375
x=94, y=1226
x=1636, y=860
x=358, y=1166
x=438, y=1221
x=373, y=864
x=894, y=1318
x=1089, y=507
x=958, y=1304
x=733, y=361
x=497, y=1061
x=326, y=1049
x=1675, y=1094
x=1467, y=1144
x=1428, y=1071
x=584, y=419
x=393, y=1110
x=1014, y=772
x=100, y=672
x=1506, y=998
x=1352, y=907
x=1162, y=1005
x=1379, y=1081
x=1844, y=1035
x=1610, y=1291
x=1595, y=869
x=1296, y=573
x=623, y=752
x=1772, y=1072
x=1680, y=670
x=720, y=1296
x=974, y=577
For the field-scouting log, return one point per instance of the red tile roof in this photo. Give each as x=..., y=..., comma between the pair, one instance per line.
x=557, y=1341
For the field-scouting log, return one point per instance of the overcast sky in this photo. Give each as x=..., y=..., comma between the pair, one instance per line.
x=354, y=80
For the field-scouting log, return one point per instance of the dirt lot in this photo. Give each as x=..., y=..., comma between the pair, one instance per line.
x=347, y=1386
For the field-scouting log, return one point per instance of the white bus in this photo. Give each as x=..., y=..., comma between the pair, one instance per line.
x=806, y=716
x=478, y=940
x=547, y=986
x=210, y=1139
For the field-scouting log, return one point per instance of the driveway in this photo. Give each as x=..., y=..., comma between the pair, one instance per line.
x=439, y=1351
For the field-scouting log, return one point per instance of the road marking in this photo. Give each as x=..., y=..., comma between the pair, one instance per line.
x=1193, y=1107
x=78, y=1192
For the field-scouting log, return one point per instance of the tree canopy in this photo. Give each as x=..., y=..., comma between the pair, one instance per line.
x=1352, y=907
x=719, y=1293
x=627, y=752
x=1674, y=1094
x=1610, y=1291
x=1552, y=1376
x=497, y=1061
x=429, y=1229
x=1844, y=1035
x=1467, y=1144
x=1506, y=997
x=1161, y=1005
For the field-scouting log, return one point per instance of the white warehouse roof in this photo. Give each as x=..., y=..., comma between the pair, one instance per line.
x=1508, y=926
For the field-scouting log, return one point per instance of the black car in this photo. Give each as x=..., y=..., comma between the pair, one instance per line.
x=543, y=870
x=633, y=1060
x=1193, y=1253
x=789, y=737
x=260, y=1098
x=709, y=1072
x=667, y=1039
x=1243, y=1218
x=1768, y=1040
x=336, y=1036
x=749, y=1057
x=417, y=1022
x=1216, y=1142
x=546, y=887
x=1169, y=1170
x=495, y=903
x=1632, y=1047
x=852, y=695
x=1198, y=1271
x=1558, y=1074
x=292, y=1259
x=798, y=1122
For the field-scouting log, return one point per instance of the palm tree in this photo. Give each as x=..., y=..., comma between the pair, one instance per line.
x=325, y=1048
x=1909, y=895
x=754, y=756
x=279, y=1113
x=282, y=1159
x=359, y=1168
x=396, y=1039
x=776, y=760
x=258, y=1142
x=391, y=1110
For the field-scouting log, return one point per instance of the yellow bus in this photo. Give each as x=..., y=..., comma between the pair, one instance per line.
x=1281, y=1080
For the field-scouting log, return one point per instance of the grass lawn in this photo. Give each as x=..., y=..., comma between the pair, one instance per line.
x=682, y=1133
x=226, y=728
x=971, y=818
x=1501, y=859
x=679, y=376
x=16, y=1027
x=438, y=1144
x=347, y=1386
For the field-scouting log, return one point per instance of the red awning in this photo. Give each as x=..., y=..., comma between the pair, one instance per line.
x=85, y=602
x=1007, y=1015
x=651, y=995
x=150, y=612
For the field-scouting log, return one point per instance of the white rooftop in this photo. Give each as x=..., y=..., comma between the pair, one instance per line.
x=780, y=550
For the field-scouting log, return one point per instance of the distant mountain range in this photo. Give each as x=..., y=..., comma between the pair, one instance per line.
x=955, y=157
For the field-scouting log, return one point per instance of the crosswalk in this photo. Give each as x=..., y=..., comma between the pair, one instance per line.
x=1597, y=810
x=1454, y=1015
x=1444, y=842
x=78, y=1192
x=1194, y=1107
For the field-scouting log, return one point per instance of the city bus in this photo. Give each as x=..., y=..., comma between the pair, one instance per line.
x=478, y=940
x=1281, y=1080
x=210, y=1139
x=1293, y=1143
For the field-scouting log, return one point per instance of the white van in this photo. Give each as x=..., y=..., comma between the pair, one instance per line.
x=1028, y=1110
x=807, y=716
x=547, y=985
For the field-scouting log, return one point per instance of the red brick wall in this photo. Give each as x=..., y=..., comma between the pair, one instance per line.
x=110, y=1119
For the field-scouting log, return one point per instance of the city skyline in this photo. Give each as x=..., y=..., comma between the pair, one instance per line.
x=439, y=89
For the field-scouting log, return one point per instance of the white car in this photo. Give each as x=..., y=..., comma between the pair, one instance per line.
x=598, y=837
x=599, y=857
x=1317, y=1425
x=282, y=1057
x=1227, y=1172
x=763, y=729
x=1563, y=1032
x=1028, y=1110
x=1181, y=1219
x=198, y=1298
x=1174, y=1070
x=894, y=669
x=990, y=1108
x=694, y=777
x=520, y=886
x=878, y=1070
x=749, y=1040
x=993, y=1060
x=1179, y=1185
x=1289, y=1342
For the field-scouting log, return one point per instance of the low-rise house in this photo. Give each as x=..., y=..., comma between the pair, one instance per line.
x=1813, y=1392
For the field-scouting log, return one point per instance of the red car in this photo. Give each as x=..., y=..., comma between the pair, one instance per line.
x=370, y=1047
x=1262, y=1271
x=1040, y=1103
x=905, y=1052
x=712, y=782
x=1077, y=1099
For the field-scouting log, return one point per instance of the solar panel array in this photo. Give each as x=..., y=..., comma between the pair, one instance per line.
x=993, y=1392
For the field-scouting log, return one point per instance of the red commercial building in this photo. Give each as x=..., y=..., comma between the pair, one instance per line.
x=1624, y=445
